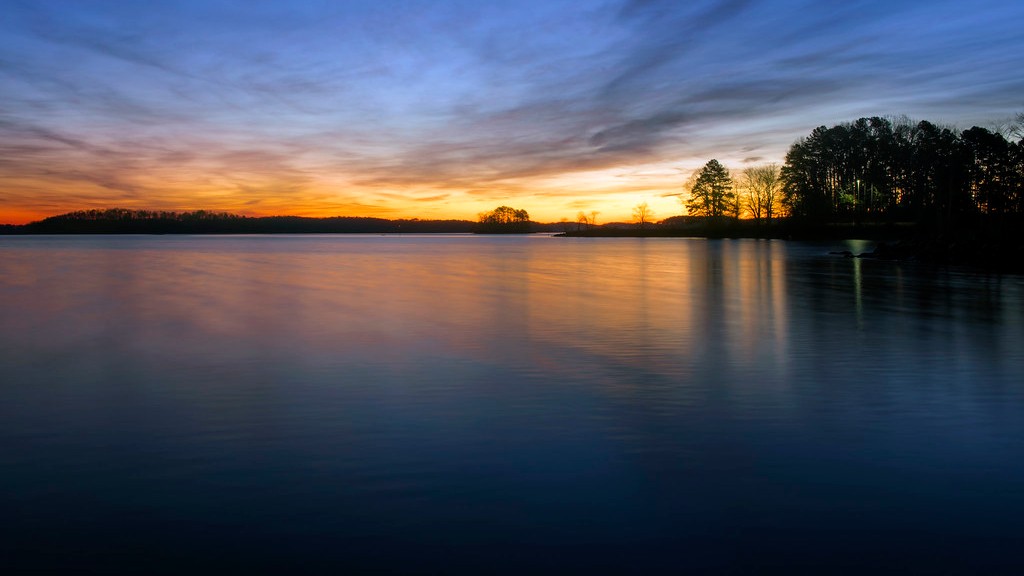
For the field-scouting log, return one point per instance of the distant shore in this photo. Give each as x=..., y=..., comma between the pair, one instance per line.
x=124, y=221
x=976, y=249
x=991, y=248
x=747, y=229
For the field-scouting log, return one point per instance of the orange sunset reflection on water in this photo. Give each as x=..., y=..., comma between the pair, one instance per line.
x=623, y=394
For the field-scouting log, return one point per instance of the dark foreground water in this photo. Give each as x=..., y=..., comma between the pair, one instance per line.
x=504, y=404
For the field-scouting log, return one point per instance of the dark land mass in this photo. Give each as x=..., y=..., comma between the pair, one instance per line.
x=728, y=227
x=123, y=221
x=996, y=248
x=980, y=246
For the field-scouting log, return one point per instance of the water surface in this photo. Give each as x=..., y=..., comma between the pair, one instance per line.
x=470, y=404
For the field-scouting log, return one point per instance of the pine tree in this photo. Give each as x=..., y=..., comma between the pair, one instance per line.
x=712, y=193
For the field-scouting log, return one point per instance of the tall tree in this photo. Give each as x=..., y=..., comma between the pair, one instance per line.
x=1017, y=183
x=875, y=168
x=712, y=192
x=991, y=174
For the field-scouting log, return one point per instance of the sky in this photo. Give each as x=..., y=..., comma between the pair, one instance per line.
x=446, y=109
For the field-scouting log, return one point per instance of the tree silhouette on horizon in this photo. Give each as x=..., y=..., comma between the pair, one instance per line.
x=711, y=194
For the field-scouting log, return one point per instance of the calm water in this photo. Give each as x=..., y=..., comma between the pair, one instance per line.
x=519, y=404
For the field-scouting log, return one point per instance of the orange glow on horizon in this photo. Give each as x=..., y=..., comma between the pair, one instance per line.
x=21, y=216
x=612, y=193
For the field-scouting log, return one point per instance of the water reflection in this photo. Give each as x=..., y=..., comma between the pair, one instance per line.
x=321, y=402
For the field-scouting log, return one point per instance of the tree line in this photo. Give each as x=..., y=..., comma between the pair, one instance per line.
x=757, y=193
x=126, y=221
x=877, y=170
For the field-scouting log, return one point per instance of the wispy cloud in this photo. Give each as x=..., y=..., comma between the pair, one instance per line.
x=386, y=105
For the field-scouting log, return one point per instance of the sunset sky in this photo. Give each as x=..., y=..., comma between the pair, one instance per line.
x=444, y=109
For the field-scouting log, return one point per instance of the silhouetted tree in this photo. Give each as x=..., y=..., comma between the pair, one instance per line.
x=846, y=170
x=504, y=219
x=936, y=192
x=642, y=214
x=583, y=220
x=1017, y=159
x=878, y=168
x=1017, y=127
x=711, y=194
x=763, y=185
x=991, y=170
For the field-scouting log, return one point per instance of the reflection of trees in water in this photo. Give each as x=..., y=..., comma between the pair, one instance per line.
x=742, y=309
x=686, y=319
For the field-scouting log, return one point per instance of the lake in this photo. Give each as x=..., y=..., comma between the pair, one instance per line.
x=518, y=404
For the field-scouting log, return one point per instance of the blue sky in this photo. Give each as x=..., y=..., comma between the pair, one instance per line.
x=445, y=109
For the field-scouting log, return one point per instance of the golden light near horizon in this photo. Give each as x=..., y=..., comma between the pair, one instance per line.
x=611, y=192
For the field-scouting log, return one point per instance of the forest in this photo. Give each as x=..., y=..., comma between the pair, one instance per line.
x=876, y=169
x=125, y=221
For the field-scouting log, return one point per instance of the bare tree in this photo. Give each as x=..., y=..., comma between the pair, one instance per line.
x=1017, y=126
x=642, y=214
x=687, y=193
x=585, y=221
x=763, y=186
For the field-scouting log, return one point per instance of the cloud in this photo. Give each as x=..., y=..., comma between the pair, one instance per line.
x=664, y=32
x=373, y=105
x=436, y=198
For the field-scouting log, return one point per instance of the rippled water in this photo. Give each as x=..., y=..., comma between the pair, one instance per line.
x=521, y=404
